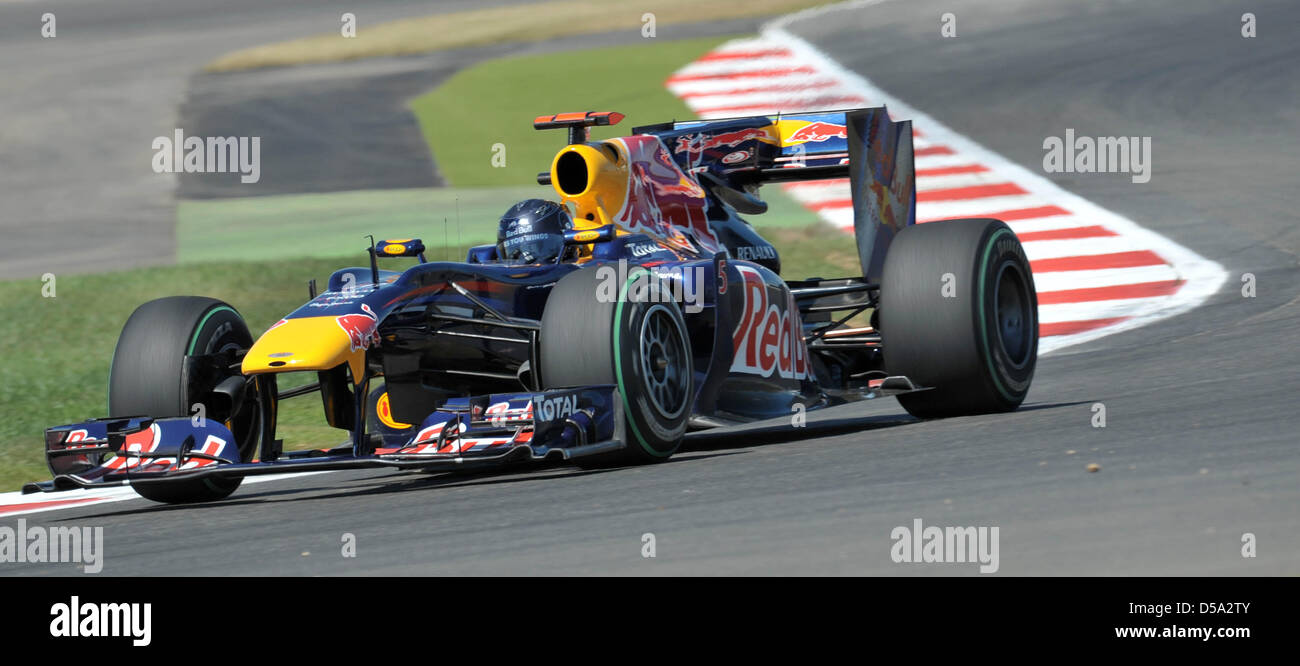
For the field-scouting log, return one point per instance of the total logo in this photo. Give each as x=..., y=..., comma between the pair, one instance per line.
x=643, y=249
x=550, y=409
x=769, y=337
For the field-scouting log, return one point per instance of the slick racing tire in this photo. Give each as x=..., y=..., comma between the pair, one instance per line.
x=959, y=313
x=149, y=378
x=636, y=341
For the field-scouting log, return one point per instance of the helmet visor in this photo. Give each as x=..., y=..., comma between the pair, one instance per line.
x=532, y=248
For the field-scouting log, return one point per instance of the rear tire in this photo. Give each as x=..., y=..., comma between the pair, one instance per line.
x=959, y=313
x=639, y=344
x=149, y=378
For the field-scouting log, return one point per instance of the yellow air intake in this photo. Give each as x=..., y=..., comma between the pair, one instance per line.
x=592, y=177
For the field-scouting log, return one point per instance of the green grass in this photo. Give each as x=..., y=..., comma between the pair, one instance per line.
x=495, y=102
x=56, y=351
x=333, y=225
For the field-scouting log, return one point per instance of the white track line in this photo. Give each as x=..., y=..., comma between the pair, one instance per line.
x=17, y=504
x=1078, y=305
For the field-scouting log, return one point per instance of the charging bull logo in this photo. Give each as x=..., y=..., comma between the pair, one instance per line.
x=694, y=144
x=362, y=329
x=816, y=132
x=769, y=338
x=662, y=201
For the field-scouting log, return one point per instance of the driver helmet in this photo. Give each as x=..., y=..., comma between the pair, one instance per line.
x=532, y=232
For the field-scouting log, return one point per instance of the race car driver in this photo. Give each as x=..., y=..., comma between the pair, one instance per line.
x=532, y=232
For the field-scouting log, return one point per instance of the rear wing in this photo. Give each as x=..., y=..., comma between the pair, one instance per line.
x=864, y=146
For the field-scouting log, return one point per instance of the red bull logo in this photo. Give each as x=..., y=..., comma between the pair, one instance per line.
x=431, y=433
x=502, y=414
x=698, y=143
x=769, y=338
x=211, y=447
x=362, y=329
x=142, y=441
x=817, y=133
x=661, y=199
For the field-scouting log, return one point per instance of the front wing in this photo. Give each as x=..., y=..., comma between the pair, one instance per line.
x=464, y=433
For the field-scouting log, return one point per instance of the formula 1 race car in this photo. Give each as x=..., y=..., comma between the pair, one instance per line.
x=598, y=329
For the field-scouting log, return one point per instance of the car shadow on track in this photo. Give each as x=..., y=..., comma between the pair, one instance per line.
x=399, y=482
x=719, y=442
x=785, y=431
x=710, y=440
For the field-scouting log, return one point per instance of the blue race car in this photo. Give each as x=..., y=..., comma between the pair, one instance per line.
x=600, y=328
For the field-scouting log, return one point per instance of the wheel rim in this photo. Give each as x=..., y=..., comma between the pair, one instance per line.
x=245, y=421
x=663, y=353
x=1013, y=314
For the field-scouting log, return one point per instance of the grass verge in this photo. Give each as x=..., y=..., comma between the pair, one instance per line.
x=334, y=225
x=492, y=104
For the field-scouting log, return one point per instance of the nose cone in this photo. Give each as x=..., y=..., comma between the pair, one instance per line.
x=311, y=343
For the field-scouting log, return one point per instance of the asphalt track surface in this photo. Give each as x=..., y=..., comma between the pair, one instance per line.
x=1200, y=443
x=81, y=111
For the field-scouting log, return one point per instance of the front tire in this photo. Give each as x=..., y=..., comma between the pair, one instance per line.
x=959, y=313
x=149, y=377
x=636, y=341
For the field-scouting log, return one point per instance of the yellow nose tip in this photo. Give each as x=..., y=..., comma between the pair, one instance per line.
x=307, y=343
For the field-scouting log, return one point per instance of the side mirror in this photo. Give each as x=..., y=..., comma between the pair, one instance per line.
x=582, y=237
x=400, y=247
